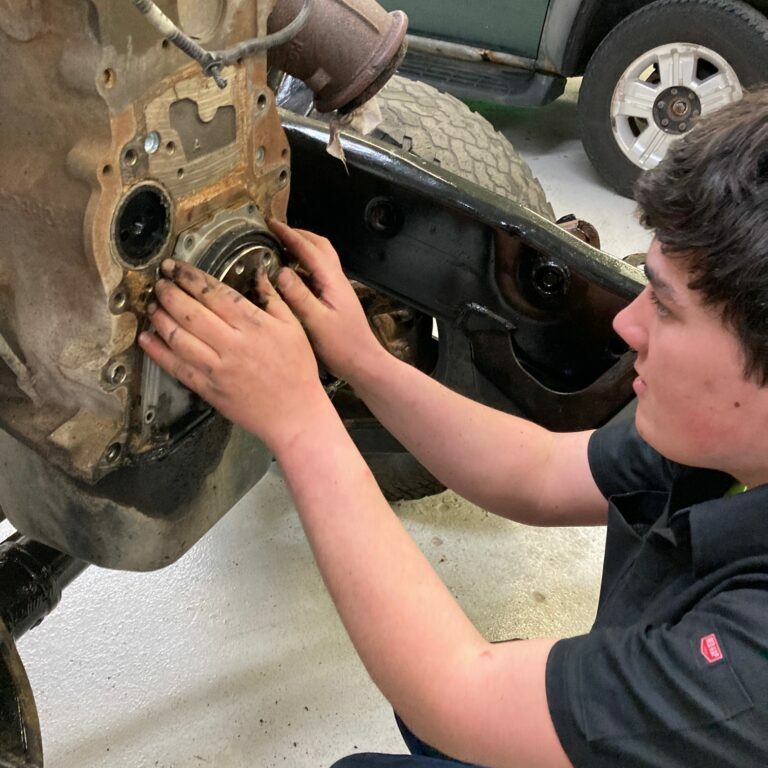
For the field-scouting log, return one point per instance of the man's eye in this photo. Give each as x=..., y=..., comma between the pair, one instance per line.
x=661, y=310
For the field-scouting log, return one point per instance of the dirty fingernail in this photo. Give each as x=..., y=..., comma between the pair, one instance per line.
x=152, y=307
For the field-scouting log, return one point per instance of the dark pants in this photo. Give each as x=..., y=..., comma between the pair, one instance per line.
x=422, y=756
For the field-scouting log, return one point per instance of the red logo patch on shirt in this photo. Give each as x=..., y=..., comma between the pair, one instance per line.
x=710, y=649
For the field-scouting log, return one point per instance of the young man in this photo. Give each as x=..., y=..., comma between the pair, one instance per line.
x=675, y=669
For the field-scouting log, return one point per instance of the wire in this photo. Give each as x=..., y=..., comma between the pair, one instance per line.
x=212, y=61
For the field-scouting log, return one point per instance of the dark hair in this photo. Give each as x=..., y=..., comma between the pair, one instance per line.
x=707, y=202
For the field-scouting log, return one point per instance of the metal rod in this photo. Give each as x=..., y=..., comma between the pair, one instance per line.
x=32, y=577
x=213, y=61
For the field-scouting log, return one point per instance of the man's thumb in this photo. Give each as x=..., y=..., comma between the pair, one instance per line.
x=296, y=295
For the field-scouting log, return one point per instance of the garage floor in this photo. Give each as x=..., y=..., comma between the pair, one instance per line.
x=234, y=657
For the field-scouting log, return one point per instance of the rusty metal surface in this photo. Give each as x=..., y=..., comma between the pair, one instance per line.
x=463, y=52
x=68, y=158
x=585, y=231
x=401, y=330
x=98, y=106
x=21, y=744
x=344, y=49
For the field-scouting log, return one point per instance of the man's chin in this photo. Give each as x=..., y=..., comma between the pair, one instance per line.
x=645, y=429
x=659, y=440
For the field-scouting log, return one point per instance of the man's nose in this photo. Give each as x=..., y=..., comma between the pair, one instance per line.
x=630, y=326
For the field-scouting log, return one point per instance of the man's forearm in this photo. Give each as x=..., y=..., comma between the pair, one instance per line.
x=408, y=629
x=493, y=459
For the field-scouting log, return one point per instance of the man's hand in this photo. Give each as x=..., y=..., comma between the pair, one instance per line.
x=331, y=312
x=253, y=364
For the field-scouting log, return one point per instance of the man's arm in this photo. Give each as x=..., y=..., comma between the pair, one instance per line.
x=479, y=702
x=504, y=464
x=476, y=701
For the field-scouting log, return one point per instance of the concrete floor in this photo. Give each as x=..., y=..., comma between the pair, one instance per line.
x=234, y=656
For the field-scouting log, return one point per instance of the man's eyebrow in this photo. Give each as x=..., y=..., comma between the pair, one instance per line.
x=659, y=285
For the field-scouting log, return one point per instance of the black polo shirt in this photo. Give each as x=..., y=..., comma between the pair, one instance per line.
x=675, y=669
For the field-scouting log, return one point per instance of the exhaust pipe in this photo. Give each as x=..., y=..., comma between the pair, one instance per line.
x=346, y=51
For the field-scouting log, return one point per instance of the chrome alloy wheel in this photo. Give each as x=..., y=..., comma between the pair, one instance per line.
x=662, y=92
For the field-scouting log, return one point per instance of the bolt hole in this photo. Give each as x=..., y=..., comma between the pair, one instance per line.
x=180, y=173
x=261, y=154
x=165, y=44
x=113, y=453
x=149, y=416
x=170, y=147
x=261, y=101
x=131, y=157
x=284, y=153
x=189, y=242
x=106, y=170
x=283, y=178
x=251, y=209
x=110, y=78
x=119, y=299
x=384, y=217
x=118, y=373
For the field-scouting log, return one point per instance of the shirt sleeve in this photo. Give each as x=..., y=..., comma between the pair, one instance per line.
x=674, y=696
x=621, y=461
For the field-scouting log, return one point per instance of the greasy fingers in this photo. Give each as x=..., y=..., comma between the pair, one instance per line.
x=262, y=375
x=190, y=314
x=304, y=304
x=269, y=299
x=314, y=253
x=212, y=294
x=182, y=341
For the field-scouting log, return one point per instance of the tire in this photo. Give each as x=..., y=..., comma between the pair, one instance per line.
x=439, y=128
x=695, y=55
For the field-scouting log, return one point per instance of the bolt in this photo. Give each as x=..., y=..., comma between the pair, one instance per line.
x=661, y=105
x=683, y=126
x=674, y=91
x=551, y=279
x=152, y=142
x=665, y=122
